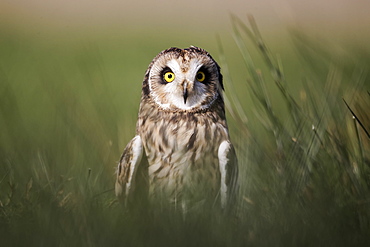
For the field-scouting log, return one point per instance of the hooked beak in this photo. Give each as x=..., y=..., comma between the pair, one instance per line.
x=185, y=92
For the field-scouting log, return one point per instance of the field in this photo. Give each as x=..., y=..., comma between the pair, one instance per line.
x=298, y=111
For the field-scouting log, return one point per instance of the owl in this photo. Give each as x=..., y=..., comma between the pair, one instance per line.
x=182, y=146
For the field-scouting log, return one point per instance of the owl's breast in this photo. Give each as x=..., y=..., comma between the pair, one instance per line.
x=182, y=153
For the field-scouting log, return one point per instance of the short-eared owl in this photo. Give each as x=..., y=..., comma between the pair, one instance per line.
x=182, y=140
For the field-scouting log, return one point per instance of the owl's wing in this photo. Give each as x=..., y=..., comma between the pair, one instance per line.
x=229, y=174
x=127, y=169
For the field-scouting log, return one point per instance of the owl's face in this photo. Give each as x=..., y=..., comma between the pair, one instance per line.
x=184, y=79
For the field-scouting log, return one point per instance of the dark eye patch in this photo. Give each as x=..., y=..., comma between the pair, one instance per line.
x=207, y=75
x=164, y=71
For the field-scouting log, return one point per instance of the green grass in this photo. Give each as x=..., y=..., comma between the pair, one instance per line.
x=68, y=108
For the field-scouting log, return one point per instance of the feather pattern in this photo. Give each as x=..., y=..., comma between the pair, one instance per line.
x=182, y=128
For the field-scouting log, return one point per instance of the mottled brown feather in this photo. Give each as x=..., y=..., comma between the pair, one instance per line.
x=181, y=144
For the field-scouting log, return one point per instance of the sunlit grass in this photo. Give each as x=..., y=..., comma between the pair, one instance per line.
x=67, y=111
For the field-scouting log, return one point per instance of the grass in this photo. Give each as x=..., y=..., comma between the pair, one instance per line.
x=67, y=111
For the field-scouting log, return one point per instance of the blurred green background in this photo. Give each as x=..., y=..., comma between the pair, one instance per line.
x=70, y=83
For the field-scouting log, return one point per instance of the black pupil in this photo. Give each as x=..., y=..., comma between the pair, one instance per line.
x=200, y=76
x=169, y=76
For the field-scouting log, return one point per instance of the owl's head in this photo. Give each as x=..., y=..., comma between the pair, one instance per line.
x=183, y=79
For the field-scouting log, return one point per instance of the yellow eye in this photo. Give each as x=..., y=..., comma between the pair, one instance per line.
x=201, y=76
x=169, y=76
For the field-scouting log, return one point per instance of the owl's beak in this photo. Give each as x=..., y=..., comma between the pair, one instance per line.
x=185, y=92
